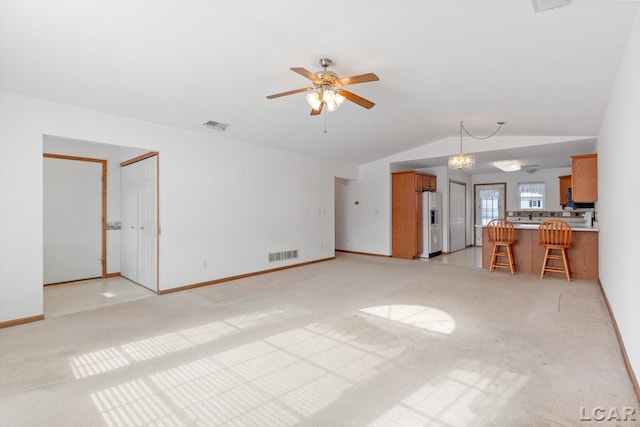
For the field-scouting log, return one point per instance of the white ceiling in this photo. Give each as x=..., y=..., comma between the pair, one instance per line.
x=184, y=62
x=546, y=156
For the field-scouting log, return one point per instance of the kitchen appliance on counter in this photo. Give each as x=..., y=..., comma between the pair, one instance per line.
x=431, y=224
x=588, y=219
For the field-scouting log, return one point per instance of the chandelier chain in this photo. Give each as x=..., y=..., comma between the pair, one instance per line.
x=479, y=137
x=467, y=161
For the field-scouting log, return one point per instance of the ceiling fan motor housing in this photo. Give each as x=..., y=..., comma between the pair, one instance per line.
x=326, y=78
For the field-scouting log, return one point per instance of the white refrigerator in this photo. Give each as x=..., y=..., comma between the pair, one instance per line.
x=431, y=224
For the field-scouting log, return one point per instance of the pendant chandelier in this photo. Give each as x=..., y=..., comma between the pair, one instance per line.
x=467, y=161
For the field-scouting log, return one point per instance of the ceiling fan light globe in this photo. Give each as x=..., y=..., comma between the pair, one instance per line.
x=339, y=99
x=332, y=106
x=313, y=99
x=328, y=95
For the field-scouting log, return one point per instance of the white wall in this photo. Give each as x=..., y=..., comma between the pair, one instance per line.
x=367, y=225
x=618, y=202
x=113, y=155
x=221, y=200
x=548, y=176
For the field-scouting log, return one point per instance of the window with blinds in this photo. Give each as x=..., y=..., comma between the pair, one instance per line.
x=531, y=195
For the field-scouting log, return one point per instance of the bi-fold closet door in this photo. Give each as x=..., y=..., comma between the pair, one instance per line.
x=139, y=240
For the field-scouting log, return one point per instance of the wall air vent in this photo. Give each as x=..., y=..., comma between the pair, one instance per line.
x=281, y=256
x=216, y=125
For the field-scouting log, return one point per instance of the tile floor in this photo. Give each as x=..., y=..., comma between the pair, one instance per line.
x=84, y=295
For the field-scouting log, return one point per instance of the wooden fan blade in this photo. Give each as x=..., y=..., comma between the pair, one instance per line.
x=291, y=92
x=305, y=73
x=318, y=111
x=362, y=78
x=355, y=98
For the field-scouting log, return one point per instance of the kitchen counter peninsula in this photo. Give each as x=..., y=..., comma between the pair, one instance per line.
x=529, y=255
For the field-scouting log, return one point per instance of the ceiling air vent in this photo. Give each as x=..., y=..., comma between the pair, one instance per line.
x=216, y=125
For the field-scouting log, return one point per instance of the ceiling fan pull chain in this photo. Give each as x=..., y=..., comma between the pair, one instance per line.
x=325, y=121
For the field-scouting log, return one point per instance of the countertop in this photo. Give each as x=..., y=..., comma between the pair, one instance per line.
x=535, y=225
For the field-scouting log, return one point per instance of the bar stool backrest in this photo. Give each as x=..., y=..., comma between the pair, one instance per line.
x=555, y=232
x=501, y=231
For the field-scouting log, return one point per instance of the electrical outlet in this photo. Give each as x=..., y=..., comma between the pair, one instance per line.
x=566, y=213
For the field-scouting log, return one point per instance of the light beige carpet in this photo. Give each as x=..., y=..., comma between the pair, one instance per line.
x=357, y=341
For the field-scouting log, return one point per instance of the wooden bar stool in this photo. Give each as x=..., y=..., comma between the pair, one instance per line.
x=555, y=235
x=502, y=234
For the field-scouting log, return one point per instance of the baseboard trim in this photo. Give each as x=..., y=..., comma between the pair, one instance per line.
x=240, y=276
x=632, y=375
x=22, y=321
x=363, y=253
x=110, y=275
x=72, y=281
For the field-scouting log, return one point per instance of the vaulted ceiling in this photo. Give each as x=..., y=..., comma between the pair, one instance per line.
x=184, y=62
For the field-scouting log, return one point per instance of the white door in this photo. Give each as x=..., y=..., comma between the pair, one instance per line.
x=129, y=230
x=147, y=222
x=140, y=222
x=72, y=203
x=457, y=216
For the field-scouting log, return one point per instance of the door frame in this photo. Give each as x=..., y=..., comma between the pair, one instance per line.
x=103, y=221
x=135, y=160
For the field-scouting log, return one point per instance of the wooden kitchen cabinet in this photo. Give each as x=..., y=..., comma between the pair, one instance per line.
x=406, y=212
x=584, y=178
x=565, y=184
x=429, y=182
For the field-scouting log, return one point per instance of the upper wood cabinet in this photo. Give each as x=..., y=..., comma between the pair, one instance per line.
x=423, y=181
x=584, y=178
x=406, y=212
x=565, y=184
x=429, y=182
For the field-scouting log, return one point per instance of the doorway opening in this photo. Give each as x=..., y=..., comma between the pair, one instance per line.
x=94, y=289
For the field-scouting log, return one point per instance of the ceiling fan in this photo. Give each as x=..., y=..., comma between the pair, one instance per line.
x=327, y=88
